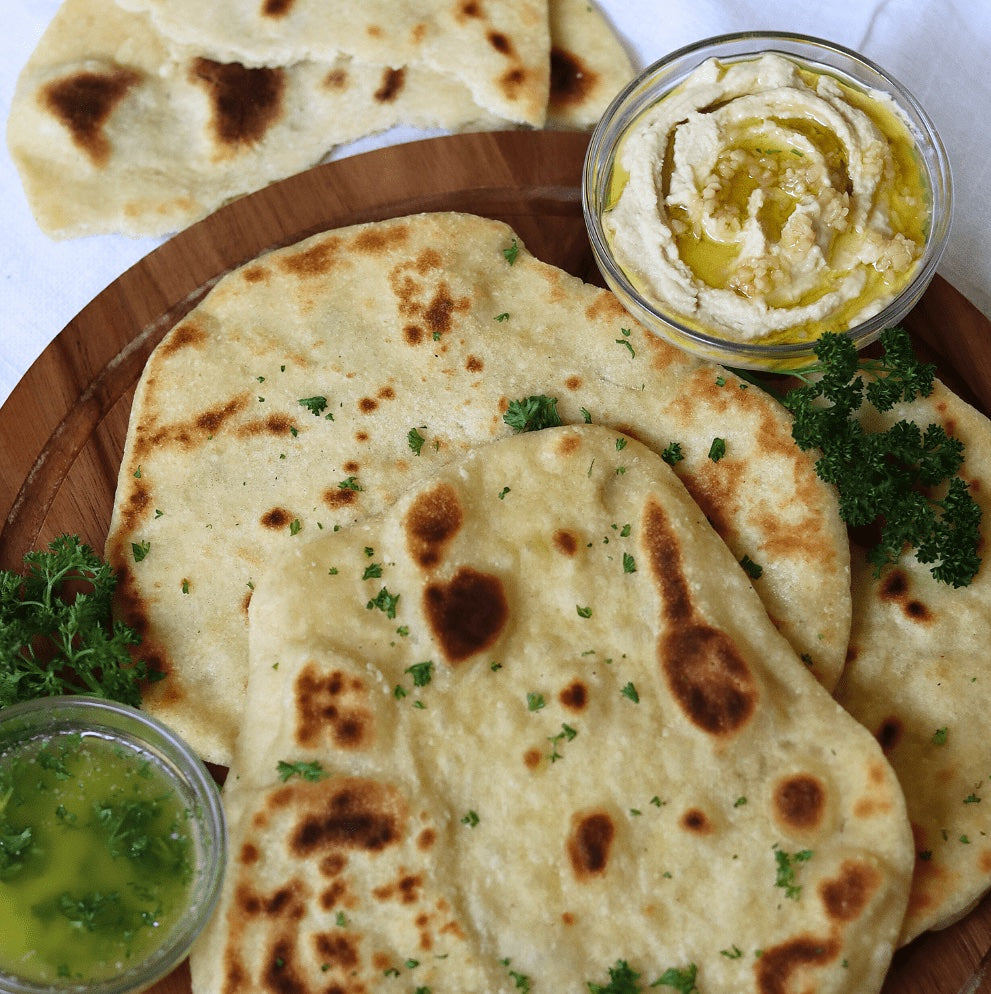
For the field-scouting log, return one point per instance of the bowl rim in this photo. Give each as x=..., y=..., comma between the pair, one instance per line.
x=63, y=713
x=639, y=94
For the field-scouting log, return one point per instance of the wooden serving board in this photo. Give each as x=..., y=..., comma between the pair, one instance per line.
x=62, y=429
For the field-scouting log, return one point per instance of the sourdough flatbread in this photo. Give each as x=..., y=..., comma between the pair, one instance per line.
x=499, y=51
x=115, y=128
x=568, y=737
x=408, y=340
x=918, y=677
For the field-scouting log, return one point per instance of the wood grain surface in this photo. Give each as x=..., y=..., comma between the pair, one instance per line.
x=62, y=429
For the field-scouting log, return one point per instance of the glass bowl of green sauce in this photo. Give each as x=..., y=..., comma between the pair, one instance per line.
x=751, y=192
x=113, y=847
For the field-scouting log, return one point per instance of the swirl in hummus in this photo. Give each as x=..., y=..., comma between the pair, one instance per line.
x=763, y=201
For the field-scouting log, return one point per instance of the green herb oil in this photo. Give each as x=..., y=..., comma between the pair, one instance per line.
x=95, y=857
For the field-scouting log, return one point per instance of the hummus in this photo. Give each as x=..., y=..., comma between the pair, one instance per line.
x=761, y=201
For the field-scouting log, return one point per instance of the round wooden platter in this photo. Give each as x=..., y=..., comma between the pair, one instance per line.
x=62, y=429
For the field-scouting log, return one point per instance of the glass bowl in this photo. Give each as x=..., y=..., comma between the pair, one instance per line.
x=116, y=847
x=604, y=176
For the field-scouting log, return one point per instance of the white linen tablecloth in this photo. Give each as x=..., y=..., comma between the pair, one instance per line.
x=937, y=48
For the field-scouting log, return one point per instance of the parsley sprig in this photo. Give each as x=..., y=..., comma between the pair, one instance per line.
x=894, y=477
x=56, y=631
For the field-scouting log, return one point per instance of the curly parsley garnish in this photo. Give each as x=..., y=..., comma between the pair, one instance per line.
x=57, y=635
x=888, y=477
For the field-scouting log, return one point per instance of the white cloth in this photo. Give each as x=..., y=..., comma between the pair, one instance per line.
x=937, y=48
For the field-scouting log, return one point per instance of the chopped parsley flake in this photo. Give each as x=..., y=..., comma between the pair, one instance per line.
x=752, y=569
x=471, y=819
x=350, y=483
x=512, y=252
x=305, y=771
x=566, y=734
x=384, y=601
x=630, y=692
x=940, y=736
x=786, y=871
x=422, y=673
x=532, y=413
x=139, y=550
x=535, y=702
x=372, y=571
x=521, y=980
x=583, y=612
x=718, y=449
x=626, y=343
x=681, y=980
x=415, y=440
x=672, y=453
x=315, y=405
x=629, y=563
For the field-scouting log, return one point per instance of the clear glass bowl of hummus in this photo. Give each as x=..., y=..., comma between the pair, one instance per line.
x=114, y=847
x=751, y=192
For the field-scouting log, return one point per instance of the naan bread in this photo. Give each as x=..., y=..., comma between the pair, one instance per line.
x=918, y=677
x=419, y=324
x=613, y=756
x=589, y=65
x=498, y=50
x=113, y=128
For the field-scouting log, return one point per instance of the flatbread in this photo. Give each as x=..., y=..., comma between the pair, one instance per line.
x=589, y=65
x=613, y=757
x=918, y=677
x=115, y=128
x=112, y=130
x=417, y=324
x=499, y=51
